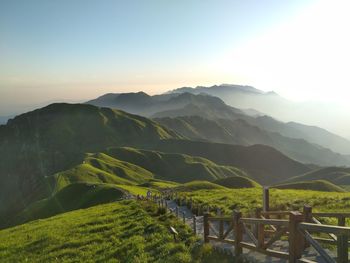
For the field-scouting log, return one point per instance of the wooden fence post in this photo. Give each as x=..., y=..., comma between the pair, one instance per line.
x=261, y=235
x=194, y=224
x=307, y=212
x=258, y=211
x=296, y=239
x=183, y=217
x=221, y=224
x=341, y=221
x=206, y=227
x=266, y=199
x=342, y=244
x=342, y=249
x=238, y=232
x=177, y=211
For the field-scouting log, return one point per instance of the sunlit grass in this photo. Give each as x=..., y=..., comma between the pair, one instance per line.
x=126, y=231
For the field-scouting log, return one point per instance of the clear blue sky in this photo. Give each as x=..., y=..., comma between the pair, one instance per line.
x=80, y=49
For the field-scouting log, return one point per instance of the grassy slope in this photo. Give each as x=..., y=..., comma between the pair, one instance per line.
x=336, y=175
x=264, y=164
x=199, y=185
x=236, y=182
x=174, y=167
x=241, y=132
x=101, y=168
x=249, y=198
x=72, y=197
x=55, y=138
x=120, y=232
x=317, y=185
x=74, y=188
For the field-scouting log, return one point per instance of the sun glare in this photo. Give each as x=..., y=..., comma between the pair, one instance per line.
x=305, y=58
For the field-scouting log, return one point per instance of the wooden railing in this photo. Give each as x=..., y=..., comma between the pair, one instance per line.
x=260, y=233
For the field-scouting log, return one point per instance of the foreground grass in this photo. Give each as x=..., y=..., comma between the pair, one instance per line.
x=126, y=231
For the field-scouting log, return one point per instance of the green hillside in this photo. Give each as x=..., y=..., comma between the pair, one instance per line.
x=72, y=197
x=246, y=132
x=336, y=175
x=125, y=231
x=264, y=164
x=316, y=185
x=236, y=182
x=198, y=185
x=101, y=168
x=55, y=138
x=160, y=184
x=101, y=179
x=174, y=167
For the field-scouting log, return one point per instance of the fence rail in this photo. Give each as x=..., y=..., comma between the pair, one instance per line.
x=263, y=232
x=302, y=229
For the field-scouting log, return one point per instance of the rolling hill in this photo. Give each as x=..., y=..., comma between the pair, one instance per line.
x=315, y=185
x=336, y=175
x=179, y=168
x=199, y=185
x=264, y=164
x=102, y=178
x=72, y=197
x=236, y=182
x=55, y=138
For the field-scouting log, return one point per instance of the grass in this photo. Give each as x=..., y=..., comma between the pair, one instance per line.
x=136, y=190
x=101, y=168
x=236, y=182
x=250, y=198
x=126, y=231
x=160, y=184
x=199, y=185
x=317, y=185
x=72, y=197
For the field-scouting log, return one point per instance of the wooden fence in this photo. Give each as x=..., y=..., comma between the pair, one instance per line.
x=265, y=228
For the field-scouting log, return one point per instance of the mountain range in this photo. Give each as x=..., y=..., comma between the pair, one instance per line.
x=98, y=151
x=222, y=123
x=326, y=115
x=54, y=146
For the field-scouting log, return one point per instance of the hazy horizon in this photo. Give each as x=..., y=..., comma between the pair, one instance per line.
x=75, y=51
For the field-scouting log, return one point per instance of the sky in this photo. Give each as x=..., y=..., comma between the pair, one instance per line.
x=79, y=49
